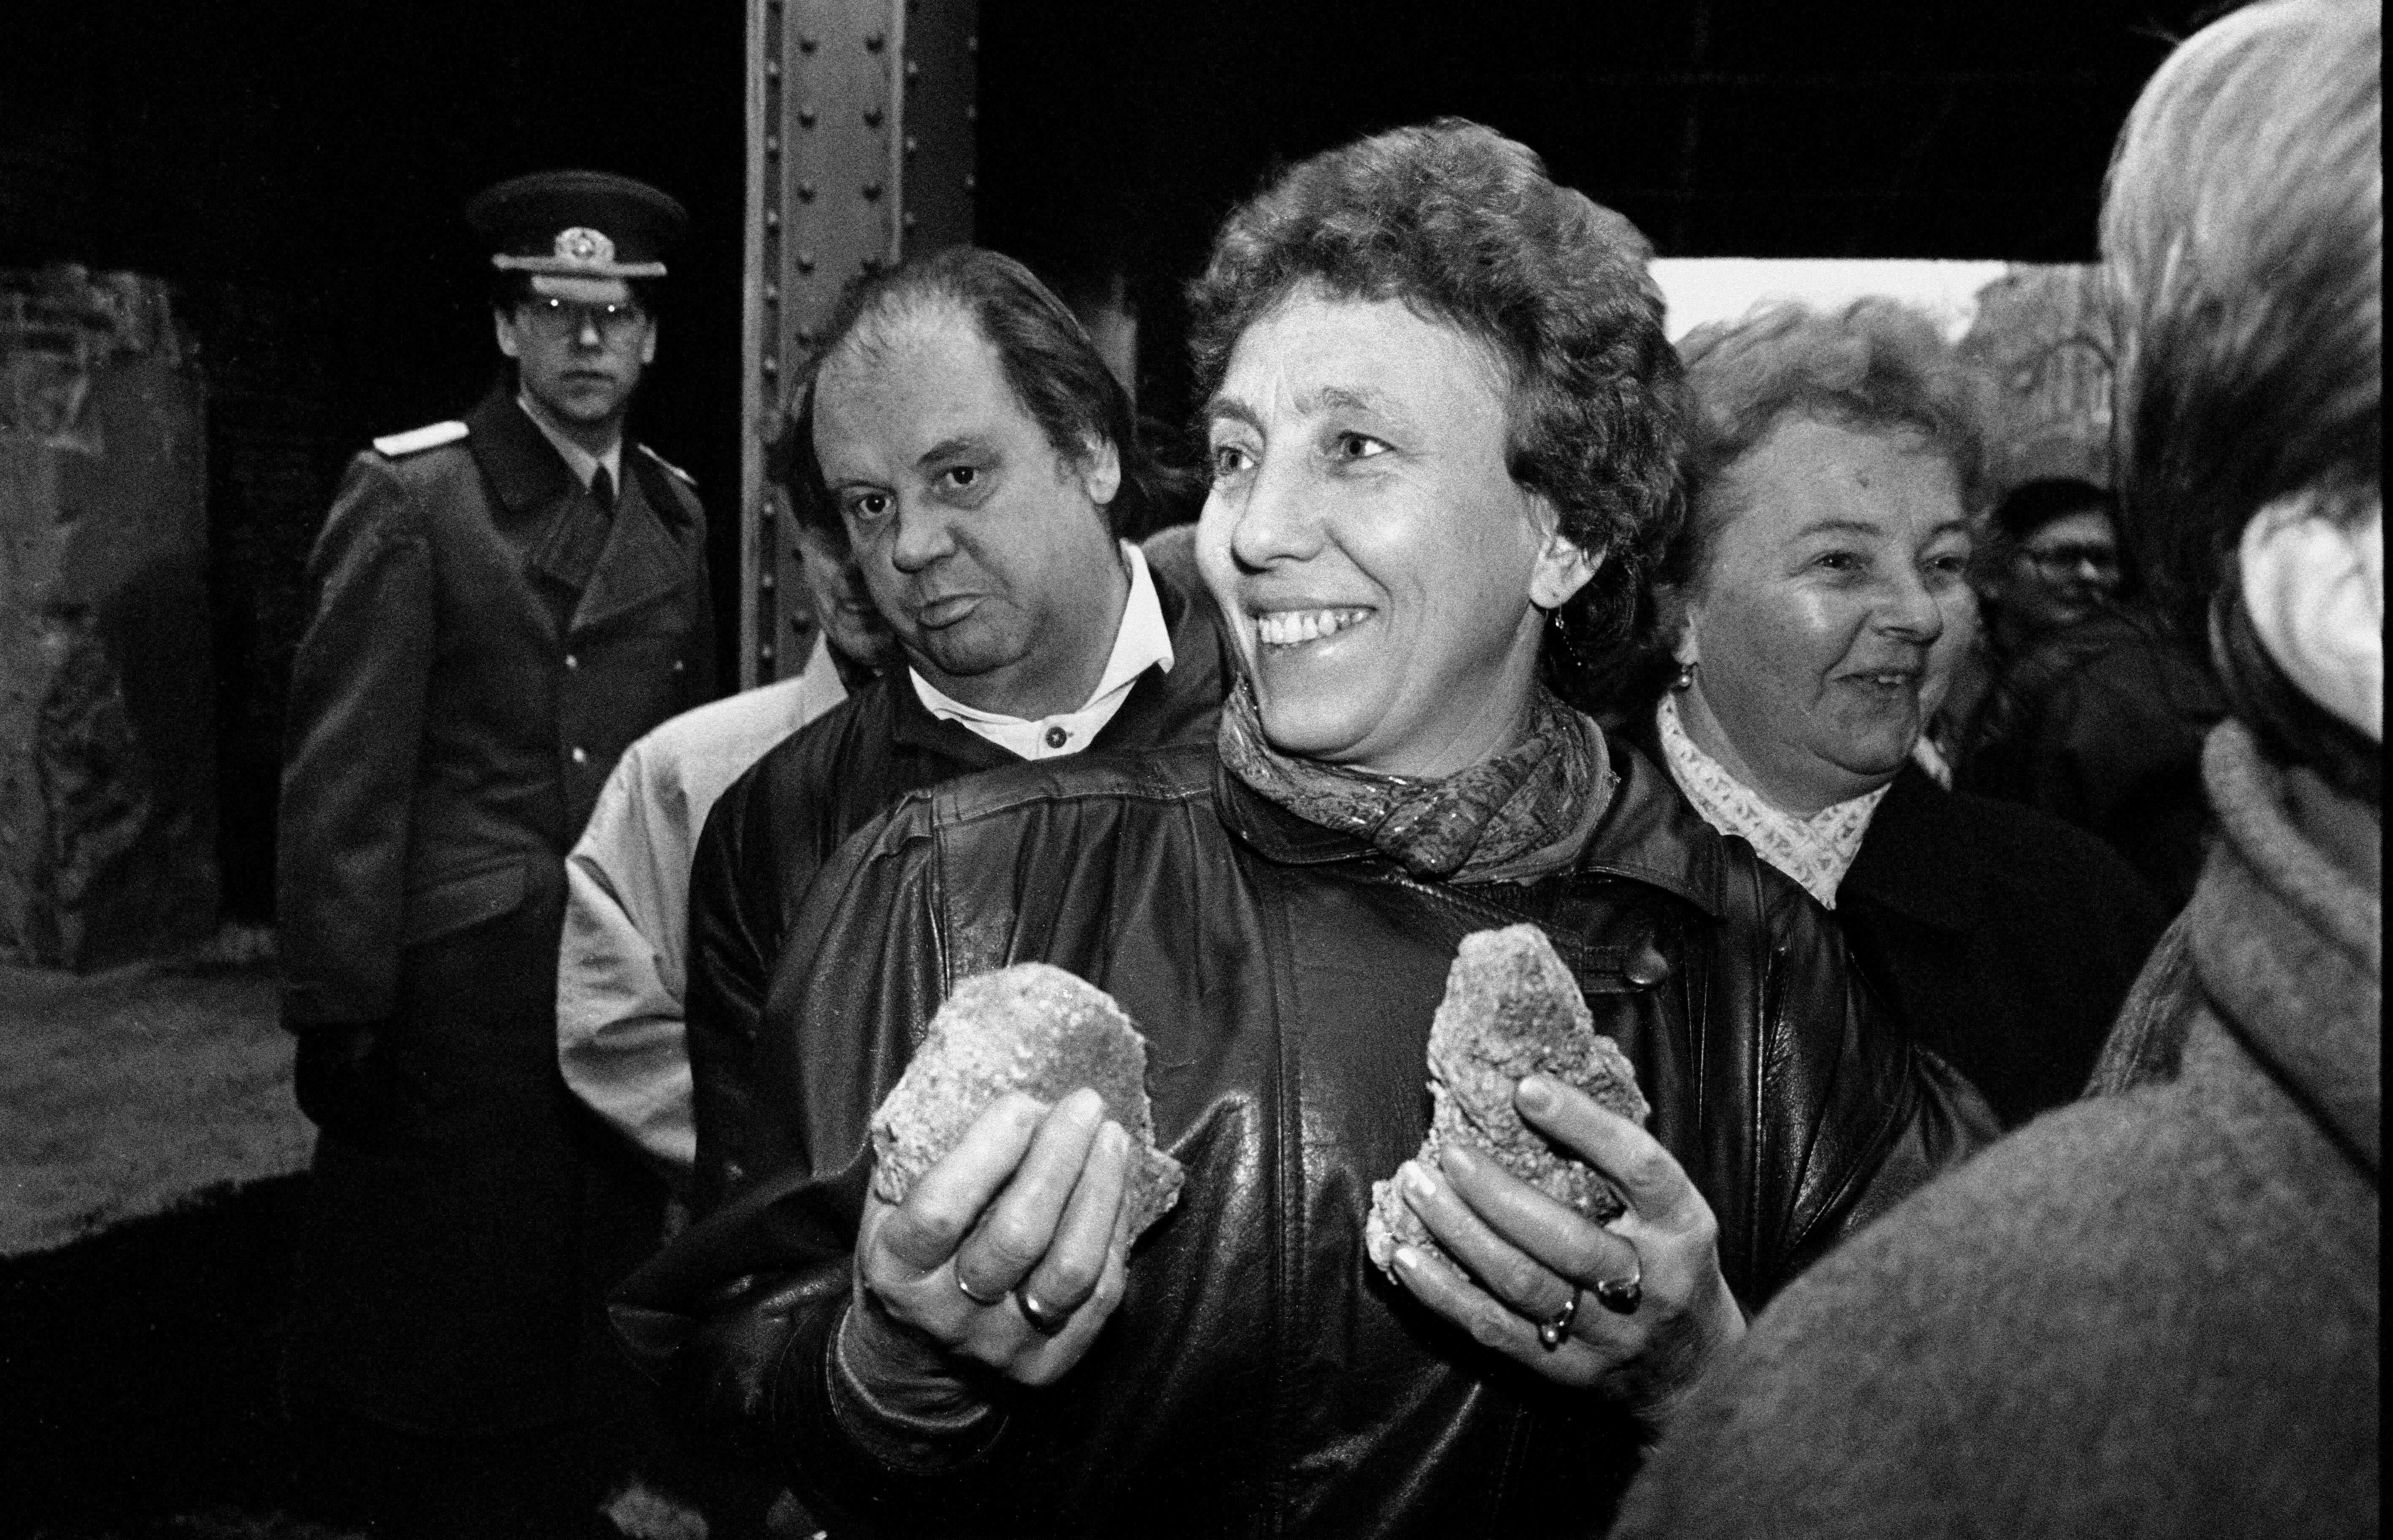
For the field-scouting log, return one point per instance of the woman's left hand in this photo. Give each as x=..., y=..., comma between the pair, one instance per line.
x=1633, y=1310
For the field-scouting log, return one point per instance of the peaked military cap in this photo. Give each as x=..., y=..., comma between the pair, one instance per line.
x=579, y=224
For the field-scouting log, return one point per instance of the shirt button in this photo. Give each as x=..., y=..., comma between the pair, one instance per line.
x=679, y=665
x=571, y=661
x=581, y=755
x=1056, y=738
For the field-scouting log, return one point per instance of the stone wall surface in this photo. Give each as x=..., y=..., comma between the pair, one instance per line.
x=107, y=703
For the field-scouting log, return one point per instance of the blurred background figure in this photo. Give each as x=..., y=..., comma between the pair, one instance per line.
x=2087, y=709
x=2059, y=544
x=621, y=1040
x=2156, y=1314
x=1814, y=608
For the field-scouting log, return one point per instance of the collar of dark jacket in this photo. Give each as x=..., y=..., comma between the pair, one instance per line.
x=1918, y=857
x=1161, y=708
x=523, y=468
x=1648, y=834
x=2289, y=946
x=639, y=563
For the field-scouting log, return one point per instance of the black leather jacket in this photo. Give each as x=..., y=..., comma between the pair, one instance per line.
x=773, y=828
x=1260, y=1376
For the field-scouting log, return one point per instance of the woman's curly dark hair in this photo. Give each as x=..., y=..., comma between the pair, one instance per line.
x=1464, y=226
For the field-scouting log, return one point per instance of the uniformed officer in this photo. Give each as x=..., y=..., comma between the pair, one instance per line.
x=501, y=605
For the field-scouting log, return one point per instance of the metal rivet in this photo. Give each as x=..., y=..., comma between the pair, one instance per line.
x=971, y=113
x=970, y=181
x=772, y=69
x=772, y=220
x=873, y=117
x=909, y=219
x=806, y=262
x=913, y=70
x=764, y=580
x=971, y=44
x=772, y=143
x=772, y=365
x=766, y=652
x=805, y=192
x=872, y=42
x=772, y=293
x=806, y=117
x=871, y=190
x=910, y=144
x=806, y=44
x=806, y=335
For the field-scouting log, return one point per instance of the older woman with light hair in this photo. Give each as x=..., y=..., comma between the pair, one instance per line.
x=1812, y=610
x=2156, y=1314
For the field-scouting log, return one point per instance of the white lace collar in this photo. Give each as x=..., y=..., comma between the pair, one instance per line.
x=1816, y=851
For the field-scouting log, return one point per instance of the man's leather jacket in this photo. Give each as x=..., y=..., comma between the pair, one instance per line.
x=1260, y=1376
x=773, y=828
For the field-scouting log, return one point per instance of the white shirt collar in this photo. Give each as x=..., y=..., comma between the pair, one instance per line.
x=581, y=462
x=1142, y=642
x=1816, y=851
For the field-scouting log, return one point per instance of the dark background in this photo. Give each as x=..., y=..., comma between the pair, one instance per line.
x=296, y=170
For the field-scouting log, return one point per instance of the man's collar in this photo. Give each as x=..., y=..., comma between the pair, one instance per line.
x=581, y=462
x=1140, y=642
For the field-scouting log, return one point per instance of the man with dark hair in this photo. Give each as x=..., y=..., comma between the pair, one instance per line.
x=501, y=605
x=962, y=433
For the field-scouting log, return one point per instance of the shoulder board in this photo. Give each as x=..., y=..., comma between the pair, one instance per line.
x=416, y=440
x=668, y=464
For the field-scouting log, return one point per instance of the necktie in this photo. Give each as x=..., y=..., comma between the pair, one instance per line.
x=602, y=487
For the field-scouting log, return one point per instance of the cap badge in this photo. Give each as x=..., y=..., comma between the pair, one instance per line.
x=584, y=247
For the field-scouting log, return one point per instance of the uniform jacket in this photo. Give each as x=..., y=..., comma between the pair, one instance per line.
x=1261, y=1377
x=775, y=826
x=485, y=641
x=620, y=1038
x=2148, y=1315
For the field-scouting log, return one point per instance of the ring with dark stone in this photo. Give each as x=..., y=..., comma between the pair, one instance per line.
x=1044, y=1318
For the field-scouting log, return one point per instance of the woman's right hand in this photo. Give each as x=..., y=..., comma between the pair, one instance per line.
x=1023, y=1208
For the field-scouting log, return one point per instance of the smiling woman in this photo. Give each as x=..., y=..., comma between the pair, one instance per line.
x=1814, y=607
x=1443, y=418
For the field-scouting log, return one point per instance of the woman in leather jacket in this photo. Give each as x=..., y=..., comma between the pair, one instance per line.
x=1442, y=423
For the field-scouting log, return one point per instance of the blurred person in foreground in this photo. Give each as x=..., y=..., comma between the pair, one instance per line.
x=1813, y=608
x=961, y=434
x=1442, y=419
x=2095, y=711
x=2156, y=1313
x=621, y=1038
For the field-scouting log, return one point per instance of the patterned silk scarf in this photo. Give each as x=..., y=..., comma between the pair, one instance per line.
x=1816, y=851
x=1523, y=815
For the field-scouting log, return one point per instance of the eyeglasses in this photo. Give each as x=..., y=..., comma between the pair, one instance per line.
x=2062, y=561
x=565, y=317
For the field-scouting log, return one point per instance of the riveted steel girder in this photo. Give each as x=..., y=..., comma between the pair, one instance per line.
x=860, y=143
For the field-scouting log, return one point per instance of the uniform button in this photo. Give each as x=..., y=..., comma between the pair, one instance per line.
x=1056, y=738
x=679, y=665
x=581, y=755
x=571, y=661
